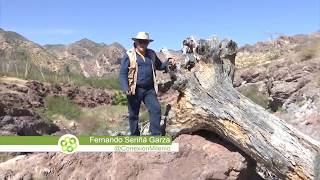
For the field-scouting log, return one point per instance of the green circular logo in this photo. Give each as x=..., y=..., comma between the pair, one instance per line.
x=68, y=143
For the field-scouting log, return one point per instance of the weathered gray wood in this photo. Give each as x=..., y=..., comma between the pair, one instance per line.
x=208, y=101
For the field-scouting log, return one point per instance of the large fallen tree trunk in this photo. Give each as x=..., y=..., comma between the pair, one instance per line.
x=208, y=101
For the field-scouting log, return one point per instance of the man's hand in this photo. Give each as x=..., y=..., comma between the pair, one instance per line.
x=128, y=93
x=172, y=63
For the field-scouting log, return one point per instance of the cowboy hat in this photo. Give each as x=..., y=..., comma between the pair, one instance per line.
x=142, y=36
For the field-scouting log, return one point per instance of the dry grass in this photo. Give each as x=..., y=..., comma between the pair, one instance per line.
x=97, y=121
x=13, y=80
x=107, y=113
x=246, y=59
x=256, y=96
x=310, y=51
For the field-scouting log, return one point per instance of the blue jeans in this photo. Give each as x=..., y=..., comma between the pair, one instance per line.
x=149, y=98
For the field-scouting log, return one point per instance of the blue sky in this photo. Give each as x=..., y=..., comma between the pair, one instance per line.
x=167, y=21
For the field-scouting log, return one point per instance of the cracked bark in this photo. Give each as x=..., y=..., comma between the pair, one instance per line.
x=208, y=101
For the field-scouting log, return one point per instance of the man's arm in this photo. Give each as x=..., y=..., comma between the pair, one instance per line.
x=123, y=75
x=160, y=65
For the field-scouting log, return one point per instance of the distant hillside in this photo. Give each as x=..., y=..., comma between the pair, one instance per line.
x=93, y=58
x=267, y=51
x=18, y=55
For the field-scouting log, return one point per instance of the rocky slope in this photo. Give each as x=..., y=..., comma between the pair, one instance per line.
x=28, y=94
x=267, y=51
x=288, y=85
x=19, y=98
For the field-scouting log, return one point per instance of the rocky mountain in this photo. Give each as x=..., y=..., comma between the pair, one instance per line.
x=17, y=52
x=94, y=59
x=82, y=57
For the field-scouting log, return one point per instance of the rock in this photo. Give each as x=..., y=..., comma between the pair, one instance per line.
x=9, y=99
x=6, y=120
x=2, y=112
x=281, y=91
x=253, y=75
x=32, y=94
x=7, y=175
x=72, y=125
x=20, y=112
x=26, y=126
x=83, y=96
x=198, y=158
x=37, y=87
x=24, y=122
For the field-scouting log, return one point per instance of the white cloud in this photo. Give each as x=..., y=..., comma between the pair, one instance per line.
x=58, y=31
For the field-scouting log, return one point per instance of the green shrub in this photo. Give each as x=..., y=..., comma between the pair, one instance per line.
x=60, y=105
x=29, y=71
x=280, y=109
x=120, y=98
x=111, y=82
x=274, y=55
x=100, y=120
x=259, y=98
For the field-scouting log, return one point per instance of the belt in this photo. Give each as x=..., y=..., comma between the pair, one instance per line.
x=145, y=86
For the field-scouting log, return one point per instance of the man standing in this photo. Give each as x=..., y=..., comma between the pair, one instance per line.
x=138, y=81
